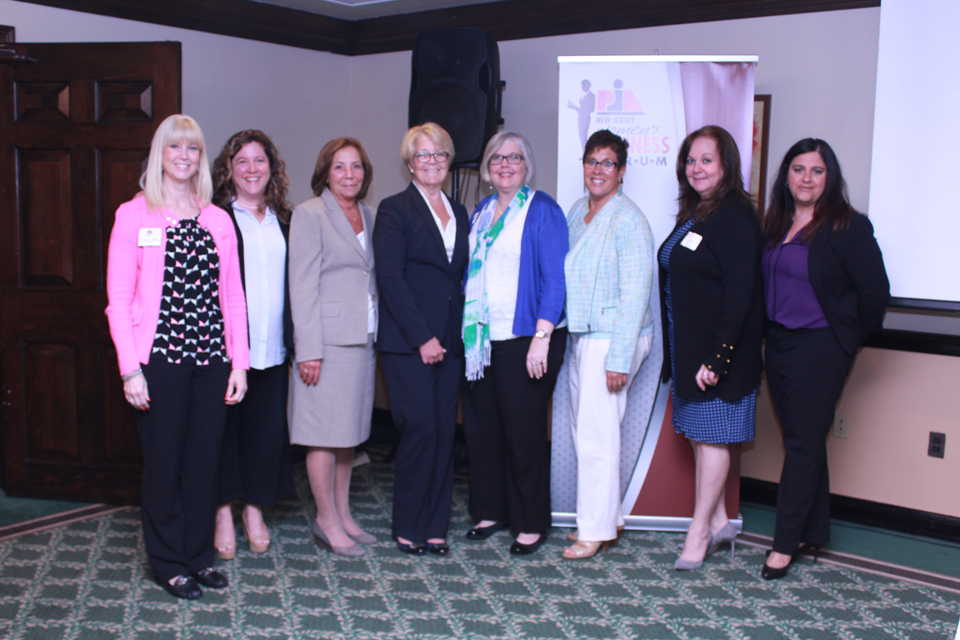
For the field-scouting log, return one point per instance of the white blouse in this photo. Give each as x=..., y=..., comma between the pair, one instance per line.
x=264, y=269
x=449, y=234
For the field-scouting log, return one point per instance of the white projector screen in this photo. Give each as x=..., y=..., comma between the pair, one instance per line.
x=914, y=177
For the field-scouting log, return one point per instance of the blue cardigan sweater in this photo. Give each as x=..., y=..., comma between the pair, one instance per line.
x=543, y=247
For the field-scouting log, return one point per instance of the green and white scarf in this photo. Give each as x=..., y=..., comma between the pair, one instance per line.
x=476, y=311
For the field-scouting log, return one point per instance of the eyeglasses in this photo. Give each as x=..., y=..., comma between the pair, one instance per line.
x=439, y=156
x=513, y=158
x=606, y=165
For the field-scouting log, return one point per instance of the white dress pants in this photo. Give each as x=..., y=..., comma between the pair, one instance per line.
x=596, y=414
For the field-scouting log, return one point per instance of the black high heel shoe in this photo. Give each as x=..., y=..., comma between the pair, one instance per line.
x=438, y=548
x=772, y=573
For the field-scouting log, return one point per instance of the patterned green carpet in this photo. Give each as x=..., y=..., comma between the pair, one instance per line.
x=90, y=580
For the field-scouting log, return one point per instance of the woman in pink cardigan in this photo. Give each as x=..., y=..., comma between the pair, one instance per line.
x=178, y=320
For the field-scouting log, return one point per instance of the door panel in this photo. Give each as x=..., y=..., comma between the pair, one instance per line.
x=75, y=131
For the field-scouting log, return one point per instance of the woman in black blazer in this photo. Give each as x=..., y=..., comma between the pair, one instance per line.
x=711, y=304
x=826, y=290
x=420, y=246
x=250, y=184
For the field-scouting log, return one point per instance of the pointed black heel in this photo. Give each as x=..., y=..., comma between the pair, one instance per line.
x=772, y=573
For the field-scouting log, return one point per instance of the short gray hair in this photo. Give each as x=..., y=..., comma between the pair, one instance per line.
x=498, y=141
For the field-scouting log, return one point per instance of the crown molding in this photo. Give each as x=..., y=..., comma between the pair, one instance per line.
x=513, y=20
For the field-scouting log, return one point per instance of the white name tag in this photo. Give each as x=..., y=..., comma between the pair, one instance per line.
x=691, y=240
x=150, y=237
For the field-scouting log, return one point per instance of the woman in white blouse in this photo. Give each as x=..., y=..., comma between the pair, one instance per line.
x=250, y=183
x=333, y=297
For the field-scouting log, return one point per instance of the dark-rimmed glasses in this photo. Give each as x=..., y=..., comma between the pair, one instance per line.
x=606, y=165
x=513, y=158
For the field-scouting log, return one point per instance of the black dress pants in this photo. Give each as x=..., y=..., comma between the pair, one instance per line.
x=806, y=370
x=180, y=437
x=255, y=464
x=423, y=403
x=505, y=424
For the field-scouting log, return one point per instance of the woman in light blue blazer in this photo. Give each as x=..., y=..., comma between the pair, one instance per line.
x=609, y=273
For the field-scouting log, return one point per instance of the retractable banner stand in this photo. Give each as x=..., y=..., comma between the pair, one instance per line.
x=652, y=102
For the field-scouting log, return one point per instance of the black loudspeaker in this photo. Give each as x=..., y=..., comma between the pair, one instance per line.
x=456, y=83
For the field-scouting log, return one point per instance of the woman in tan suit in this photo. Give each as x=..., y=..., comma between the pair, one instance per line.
x=333, y=299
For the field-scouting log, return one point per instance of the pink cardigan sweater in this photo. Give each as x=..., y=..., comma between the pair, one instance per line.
x=135, y=284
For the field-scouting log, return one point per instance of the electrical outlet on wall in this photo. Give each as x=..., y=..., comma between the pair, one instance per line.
x=938, y=442
x=841, y=425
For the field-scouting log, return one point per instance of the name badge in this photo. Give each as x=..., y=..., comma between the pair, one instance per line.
x=150, y=237
x=691, y=240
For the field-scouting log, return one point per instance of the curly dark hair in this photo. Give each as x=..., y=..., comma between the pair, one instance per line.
x=692, y=205
x=833, y=208
x=275, y=195
x=322, y=171
x=606, y=139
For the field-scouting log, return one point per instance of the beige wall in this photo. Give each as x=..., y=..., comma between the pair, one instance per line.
x=819, y=67
x=894, y=400
x=823, y=88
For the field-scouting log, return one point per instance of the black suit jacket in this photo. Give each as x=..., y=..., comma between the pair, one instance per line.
x=717, y=295
x=421, y=293
x=287, y=315
x=847, y=273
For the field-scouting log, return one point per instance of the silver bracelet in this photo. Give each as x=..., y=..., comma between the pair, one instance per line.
x=130, y=376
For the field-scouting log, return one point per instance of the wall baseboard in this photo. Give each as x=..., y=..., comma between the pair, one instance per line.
x=865, y=512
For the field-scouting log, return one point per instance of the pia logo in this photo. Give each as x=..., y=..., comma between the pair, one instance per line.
x=619, y=101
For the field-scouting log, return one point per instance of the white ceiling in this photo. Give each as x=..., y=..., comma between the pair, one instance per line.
x=361, y=9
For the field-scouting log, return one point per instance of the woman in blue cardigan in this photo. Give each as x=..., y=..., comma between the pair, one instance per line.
x=513, y=346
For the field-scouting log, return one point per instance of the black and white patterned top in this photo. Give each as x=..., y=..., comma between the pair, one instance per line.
x=190, y=329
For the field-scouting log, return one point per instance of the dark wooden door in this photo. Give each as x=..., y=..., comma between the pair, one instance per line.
x=75, y=131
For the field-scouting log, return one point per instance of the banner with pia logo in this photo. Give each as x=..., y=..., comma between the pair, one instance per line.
x=652, y=102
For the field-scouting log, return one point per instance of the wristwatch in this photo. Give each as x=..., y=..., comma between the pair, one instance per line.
x=542, y=334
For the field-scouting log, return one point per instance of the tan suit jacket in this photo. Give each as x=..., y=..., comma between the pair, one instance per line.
x=330, y=277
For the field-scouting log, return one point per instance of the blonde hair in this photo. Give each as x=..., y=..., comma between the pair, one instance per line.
x=437, y=134
x=176, y=128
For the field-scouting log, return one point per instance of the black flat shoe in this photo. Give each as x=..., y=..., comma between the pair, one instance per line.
x=183, y=587
x=210, y=578
x=438, y=548
x=526, y=549
x=412, y=549
x=482, y=533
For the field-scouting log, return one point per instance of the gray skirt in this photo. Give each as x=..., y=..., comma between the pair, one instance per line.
x=336, y=412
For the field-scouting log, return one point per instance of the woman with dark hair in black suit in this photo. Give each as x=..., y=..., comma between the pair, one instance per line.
x=250, y=184
x=420, y=246
x=826, y=290
x=711, y=303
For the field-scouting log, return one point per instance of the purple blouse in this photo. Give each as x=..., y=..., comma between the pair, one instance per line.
x=791, y=300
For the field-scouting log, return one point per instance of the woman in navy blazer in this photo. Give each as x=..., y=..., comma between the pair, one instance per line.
x=826, y=290
x=420, y=246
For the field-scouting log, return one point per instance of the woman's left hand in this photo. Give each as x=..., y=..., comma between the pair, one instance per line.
x=236, y=386
x=706, y=377
x=616, y=381
x=537, y=357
